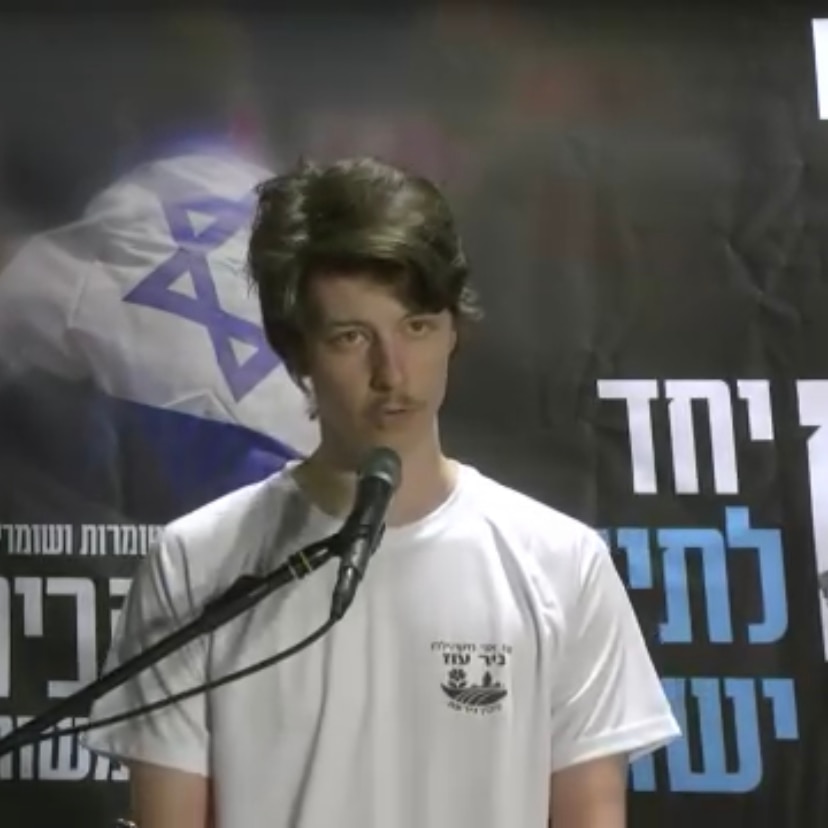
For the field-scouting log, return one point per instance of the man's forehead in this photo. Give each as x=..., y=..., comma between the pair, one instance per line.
x=358, y=314
x=342, y=296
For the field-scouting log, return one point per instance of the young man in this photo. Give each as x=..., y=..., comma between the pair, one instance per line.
x=490, y=671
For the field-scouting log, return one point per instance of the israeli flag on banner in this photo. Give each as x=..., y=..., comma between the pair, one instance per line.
x=144, y=303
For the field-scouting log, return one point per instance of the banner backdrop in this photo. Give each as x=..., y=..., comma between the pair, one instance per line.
x=643, y=200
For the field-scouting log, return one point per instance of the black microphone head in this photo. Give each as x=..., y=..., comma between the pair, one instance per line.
x=384, y=463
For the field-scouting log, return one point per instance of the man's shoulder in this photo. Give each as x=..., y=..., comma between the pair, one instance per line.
x=555, y=553
x=232, y=524
x=506, y=505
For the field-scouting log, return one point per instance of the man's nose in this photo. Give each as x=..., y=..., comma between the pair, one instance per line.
x=387, y=369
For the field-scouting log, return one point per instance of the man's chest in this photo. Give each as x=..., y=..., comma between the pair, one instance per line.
x=437, y=644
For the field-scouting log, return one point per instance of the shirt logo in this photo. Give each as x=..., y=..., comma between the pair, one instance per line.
x=475, y=675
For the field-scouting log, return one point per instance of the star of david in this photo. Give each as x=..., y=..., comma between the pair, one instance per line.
x=227, y=217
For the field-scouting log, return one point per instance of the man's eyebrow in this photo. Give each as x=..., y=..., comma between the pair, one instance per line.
x=333, y=324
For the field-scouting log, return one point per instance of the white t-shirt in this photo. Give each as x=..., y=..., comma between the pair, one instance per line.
x=489, y=645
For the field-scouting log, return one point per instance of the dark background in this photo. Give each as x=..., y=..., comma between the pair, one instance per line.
x=643, y=195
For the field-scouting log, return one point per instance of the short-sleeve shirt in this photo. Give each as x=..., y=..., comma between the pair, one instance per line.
x=489, y=645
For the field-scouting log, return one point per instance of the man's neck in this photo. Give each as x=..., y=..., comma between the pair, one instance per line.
x=428, y=478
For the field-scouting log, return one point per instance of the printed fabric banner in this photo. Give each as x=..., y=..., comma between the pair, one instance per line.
x=643, y=198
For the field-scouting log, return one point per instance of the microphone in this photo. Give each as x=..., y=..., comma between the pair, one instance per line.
x=359, y=537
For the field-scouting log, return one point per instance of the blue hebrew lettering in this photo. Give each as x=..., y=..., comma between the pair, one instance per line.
x=636, y=543
x=714, y=775
x=782, y=696
x=676, y=544
x=709, y=543
x=642, y=775
x=768, y=544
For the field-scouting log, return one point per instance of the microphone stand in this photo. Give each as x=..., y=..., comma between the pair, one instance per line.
x=244, y=593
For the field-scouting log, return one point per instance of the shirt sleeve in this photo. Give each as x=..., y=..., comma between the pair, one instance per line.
x=177, y=736
x=607, y=699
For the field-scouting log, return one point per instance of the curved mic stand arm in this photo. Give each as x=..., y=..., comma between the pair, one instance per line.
x=244, y=593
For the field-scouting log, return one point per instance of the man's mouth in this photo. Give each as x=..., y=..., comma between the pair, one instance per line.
x=393, y=410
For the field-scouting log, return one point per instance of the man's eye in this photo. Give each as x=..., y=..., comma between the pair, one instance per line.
x=420, y=326
x=346, y=338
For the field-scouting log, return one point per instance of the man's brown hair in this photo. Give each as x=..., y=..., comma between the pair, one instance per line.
x=356, y=215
